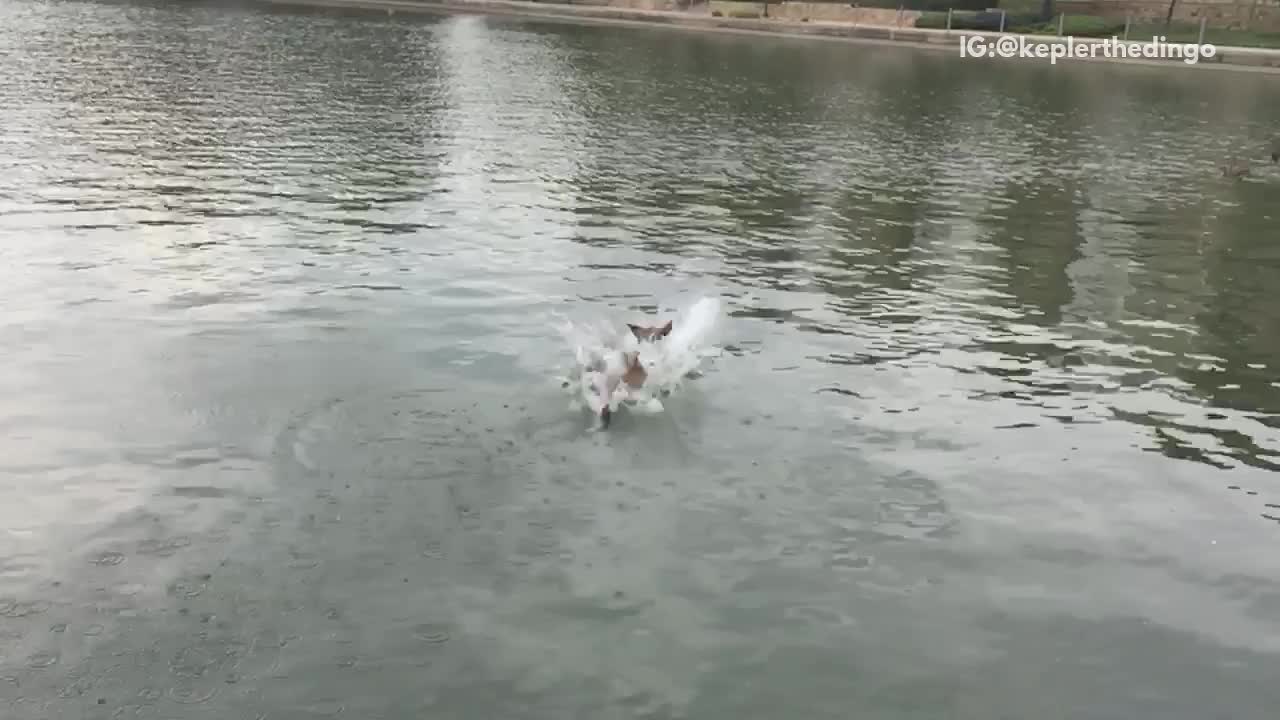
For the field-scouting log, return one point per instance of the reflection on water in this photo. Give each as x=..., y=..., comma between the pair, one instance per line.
x=284, y=435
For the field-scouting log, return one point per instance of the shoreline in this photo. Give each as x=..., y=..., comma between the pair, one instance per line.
x=1238, y=59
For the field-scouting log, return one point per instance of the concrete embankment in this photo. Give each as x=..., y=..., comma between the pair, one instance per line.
x=1238, y=58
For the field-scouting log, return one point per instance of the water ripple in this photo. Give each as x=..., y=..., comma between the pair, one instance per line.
x=1029, y=322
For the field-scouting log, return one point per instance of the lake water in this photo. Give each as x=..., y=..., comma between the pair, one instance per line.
x=994, y=432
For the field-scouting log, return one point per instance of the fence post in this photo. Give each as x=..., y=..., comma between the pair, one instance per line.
x=949, y=21
x=1127, y=20
x=1203, y=19
x=1062, y=18
x=1002, y=16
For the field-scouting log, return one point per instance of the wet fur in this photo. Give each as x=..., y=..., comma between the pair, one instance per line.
x=635, y=375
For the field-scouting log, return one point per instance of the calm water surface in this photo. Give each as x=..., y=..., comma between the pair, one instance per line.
x=994, y=434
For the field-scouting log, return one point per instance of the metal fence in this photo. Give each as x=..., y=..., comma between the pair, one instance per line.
x=1224, y=23
x=1126, y=21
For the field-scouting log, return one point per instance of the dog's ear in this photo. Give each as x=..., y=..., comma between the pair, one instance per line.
x=662, y=331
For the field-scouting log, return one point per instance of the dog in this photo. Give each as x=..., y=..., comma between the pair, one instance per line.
x=629, y=376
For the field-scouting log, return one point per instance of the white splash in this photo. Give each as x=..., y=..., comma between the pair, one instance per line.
x=670, y=361
x=599, y=351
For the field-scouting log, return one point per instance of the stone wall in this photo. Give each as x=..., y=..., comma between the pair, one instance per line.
x=630, y=4
x=841, y=12
x=1258, y=15
x=815, y=11
x=644, y=4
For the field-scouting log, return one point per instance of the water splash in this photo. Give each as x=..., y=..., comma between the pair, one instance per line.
x=601, y=351
x=670, y=362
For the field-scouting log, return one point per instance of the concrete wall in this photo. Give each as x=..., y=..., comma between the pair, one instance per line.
x=840, y=12
x=815, y=11
x=1260, y=15
x=630, y=4
x=638, y=4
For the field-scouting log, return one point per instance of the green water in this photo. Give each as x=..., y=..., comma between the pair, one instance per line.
x=993, y=434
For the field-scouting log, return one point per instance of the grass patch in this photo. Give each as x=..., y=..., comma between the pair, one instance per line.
x=1190, y=33
x=929, y=5
x=1024, y=23
x=738, y=10
x=971, y=20
x=1075, y=25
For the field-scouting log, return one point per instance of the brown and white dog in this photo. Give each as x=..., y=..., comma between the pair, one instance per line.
x=634, y=374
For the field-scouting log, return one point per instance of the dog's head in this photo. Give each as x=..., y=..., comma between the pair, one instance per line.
x=643, y=332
